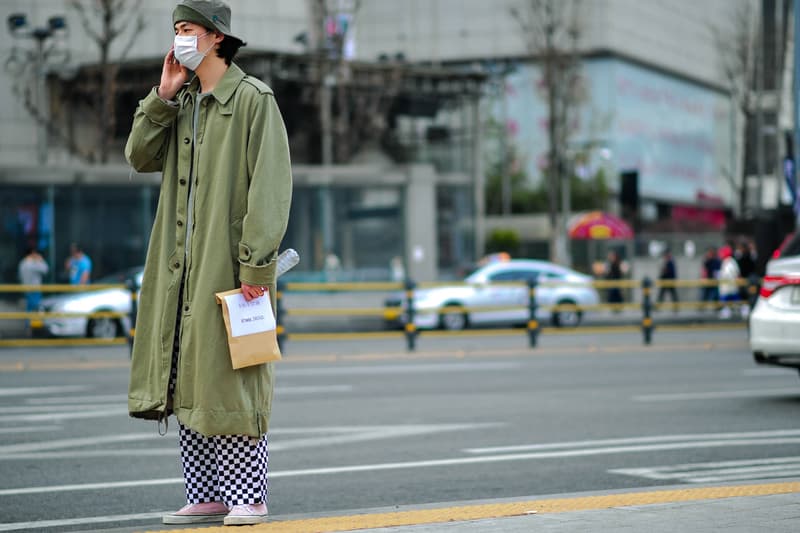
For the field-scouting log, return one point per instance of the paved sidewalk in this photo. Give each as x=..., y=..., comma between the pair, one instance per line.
x=771, y=506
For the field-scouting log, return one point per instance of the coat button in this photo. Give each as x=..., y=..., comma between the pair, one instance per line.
x=177, y=265
x=186, y=140
x=182, y=181
x=180, y=223
x=186, y=308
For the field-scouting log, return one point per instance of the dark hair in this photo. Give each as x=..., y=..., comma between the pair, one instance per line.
x=227, y=48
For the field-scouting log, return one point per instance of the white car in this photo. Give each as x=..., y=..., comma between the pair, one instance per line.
x=453, y=307
x=114, y=300
x=775, y=319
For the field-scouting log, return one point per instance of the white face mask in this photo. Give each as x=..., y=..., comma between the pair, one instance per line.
x=186, y=51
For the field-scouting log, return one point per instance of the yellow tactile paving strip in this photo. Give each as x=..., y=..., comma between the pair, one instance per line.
x=502, y=510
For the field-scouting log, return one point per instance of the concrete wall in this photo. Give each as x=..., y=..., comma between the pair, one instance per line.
x=673, y=35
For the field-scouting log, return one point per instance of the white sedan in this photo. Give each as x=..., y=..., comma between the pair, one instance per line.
x=775, y=319
x=91, y=301
x=501, y=287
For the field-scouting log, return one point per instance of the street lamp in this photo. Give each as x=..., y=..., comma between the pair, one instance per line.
x=19, y=29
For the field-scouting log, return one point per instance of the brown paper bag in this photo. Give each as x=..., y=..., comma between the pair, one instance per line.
x=250, y=349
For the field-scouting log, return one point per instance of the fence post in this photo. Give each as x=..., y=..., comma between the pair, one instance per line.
x=533, y=324
x=753, y=288
x=647, y=320
x=410, y=326
x=280, y=331
x=131, y=283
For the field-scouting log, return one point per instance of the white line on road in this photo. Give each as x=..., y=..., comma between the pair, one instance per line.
x=400, y=369
x=121, y=399
x=76, y=443
x=636, y=440
x=98, y=398
x=423, y=464
x=55, y=417
x=719, y=471
x=324, y=436
x=765, y=393
x=310, y=389
x=773, y=371
x=30, y=429
x=42, y=524
x=25, y=391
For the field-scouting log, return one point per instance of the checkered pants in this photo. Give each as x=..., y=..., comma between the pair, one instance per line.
x=227, y=468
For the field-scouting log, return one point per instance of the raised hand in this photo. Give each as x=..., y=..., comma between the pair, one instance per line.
x=173, y=76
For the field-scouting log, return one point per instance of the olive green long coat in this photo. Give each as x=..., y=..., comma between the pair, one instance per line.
x=241, y=175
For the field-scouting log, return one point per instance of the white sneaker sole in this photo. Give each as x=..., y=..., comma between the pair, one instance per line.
x=244, y=520
x=192, y=518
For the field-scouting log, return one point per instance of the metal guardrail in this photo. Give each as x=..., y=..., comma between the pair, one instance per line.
x=404, y=313
x=36, y=319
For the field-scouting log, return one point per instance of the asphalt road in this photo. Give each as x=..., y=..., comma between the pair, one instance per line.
x=363, y=424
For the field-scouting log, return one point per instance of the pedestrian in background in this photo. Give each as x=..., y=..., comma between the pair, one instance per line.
x=614, y=272
x=219, y=141
x=710, y=271
x=746, y=260
x=668, y=274
x=78, y=265
x=728, y=281
x=32, y=270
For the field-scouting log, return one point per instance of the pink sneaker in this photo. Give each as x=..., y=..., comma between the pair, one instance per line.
x=242, y=515
x=197, y=513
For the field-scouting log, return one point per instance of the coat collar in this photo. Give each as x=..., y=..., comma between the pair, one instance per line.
x=225, y=87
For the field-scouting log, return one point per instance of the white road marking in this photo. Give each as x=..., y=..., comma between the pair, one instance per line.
x=55, y=417
x=17, y=409
x=720, y=471
x=42, y=524
x=636, y=440
x=759, y=393
x=63, y=400
x=324, y=436
x=486, y=459
x=310, y=389
x=24, y=391
x=30, y=429
x=121, y=399
x=400, y=369
x=773, y=371
x=75, y=443
x=375, y=433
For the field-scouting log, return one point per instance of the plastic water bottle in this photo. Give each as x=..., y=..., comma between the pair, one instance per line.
x=286, y=261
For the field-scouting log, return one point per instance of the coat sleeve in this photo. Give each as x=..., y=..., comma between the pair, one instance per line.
x=269, y=195
x=149, y=136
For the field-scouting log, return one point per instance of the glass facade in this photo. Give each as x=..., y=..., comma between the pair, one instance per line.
x=112, y=224
x=367, y=228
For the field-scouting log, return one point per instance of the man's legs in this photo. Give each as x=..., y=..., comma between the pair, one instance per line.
x=242, y=473
x=199, y=466
x=242, y=464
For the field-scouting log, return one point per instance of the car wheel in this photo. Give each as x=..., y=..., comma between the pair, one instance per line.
x=454, y=319
x=569, y=318
x=102, y=328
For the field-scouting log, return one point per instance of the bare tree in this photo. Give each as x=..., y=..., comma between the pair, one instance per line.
x=104, y=21
x=737, y=43
x=551, y=30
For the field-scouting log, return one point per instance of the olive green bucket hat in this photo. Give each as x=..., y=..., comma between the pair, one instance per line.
x=211, y=14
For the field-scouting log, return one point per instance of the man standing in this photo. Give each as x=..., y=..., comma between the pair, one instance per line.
x=668, y=274
x=219, y=140
x=32, y=270
x=78, y=265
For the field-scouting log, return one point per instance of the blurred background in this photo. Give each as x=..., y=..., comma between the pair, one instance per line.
x=426, y=135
